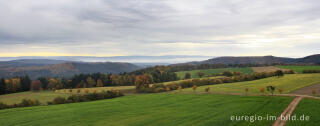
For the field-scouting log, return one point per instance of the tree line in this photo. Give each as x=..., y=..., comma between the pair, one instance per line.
x=146, y=88
x=20, y=84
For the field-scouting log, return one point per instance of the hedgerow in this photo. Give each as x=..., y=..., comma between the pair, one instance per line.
x=156, y=88
x=62, y=100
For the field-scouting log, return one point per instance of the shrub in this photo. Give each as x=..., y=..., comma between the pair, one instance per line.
x=311, y=71
x=194, y=88
x=59, y=100
x=246, y=90
x=3, y=106
x=227, y=73
x=314, y=92
x=201, y=74
x=180, y=88
x=280, y=91
x=262, y=90
x=271, y=89
x=168, y=89
x=74, y=98
x=187, y=76
x=78, y=91
x=207, y=89
x=86, y=90
x=279, y=73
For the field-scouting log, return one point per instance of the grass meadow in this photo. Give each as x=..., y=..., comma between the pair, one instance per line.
x=150, y=109
x=287, y=83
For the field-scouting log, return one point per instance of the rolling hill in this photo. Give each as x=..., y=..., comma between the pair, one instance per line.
x=59, y=68
x=312, y=59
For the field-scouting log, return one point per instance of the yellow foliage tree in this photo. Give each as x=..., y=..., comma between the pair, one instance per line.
x=99, y=83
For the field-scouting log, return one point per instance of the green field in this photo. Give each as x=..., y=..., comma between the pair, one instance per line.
x=288, y=83
x=307, y=107
x=299, y=69
x=150, y=109
x=43, y=96
x=208, y=72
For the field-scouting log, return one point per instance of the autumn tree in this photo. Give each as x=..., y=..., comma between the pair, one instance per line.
x=271, y=89
x=2, y=86
x=91, y=82
x=36, y=85
x=52, y=83
x=227, y=73
x=187, y=76
x=142, y=82
x=16, y=84
x=279, y=73
x=200, y=74
x=44, y=82
x=99, y=83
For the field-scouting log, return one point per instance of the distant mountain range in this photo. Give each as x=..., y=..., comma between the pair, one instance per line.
x=139, y=60
x=64, y=67
x=313, y=59
x=60, y=68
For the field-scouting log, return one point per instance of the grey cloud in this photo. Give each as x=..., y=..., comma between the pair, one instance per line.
x=67, y=22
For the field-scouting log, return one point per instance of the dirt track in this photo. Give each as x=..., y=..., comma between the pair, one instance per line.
x=287, y=112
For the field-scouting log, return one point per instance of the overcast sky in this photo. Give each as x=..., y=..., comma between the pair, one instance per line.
x=159, y=27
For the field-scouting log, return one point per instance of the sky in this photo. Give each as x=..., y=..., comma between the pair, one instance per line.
x=288, y=28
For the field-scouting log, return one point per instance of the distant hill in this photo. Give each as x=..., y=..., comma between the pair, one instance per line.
x=148, y=60
x=59, y=68
x=313, y=59
x=310, y=59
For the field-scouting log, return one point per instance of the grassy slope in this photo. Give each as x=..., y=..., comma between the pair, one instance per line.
x=288, y=83
x=46, y=96
x=307, y=107
x=299, y=69
x=151, y=110
x=194, y=73
x=43, y=97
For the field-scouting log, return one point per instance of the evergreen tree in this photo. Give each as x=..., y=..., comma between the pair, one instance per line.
x=2, y=86
x=25, y=83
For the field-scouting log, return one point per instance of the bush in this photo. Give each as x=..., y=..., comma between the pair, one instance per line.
x=194, y=88
x=180, y=88
x=207, y=89
x=86, y=90
x=28, y=102
x=3, y=106
x=280, y=91
x=262, y=90
x=311, y=71
x=59, y=100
